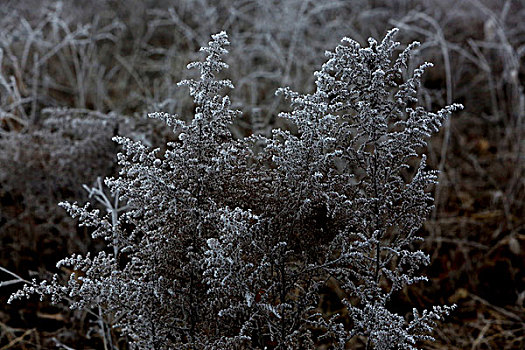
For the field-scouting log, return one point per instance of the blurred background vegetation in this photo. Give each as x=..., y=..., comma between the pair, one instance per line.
x=75, y=73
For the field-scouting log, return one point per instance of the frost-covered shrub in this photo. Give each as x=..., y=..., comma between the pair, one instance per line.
x=228, y=243
x=41, y=166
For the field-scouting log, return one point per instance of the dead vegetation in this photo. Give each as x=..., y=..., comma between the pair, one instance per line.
x=106, y=58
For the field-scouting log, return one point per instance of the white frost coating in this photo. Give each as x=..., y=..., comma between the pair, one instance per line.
x=223, y=240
